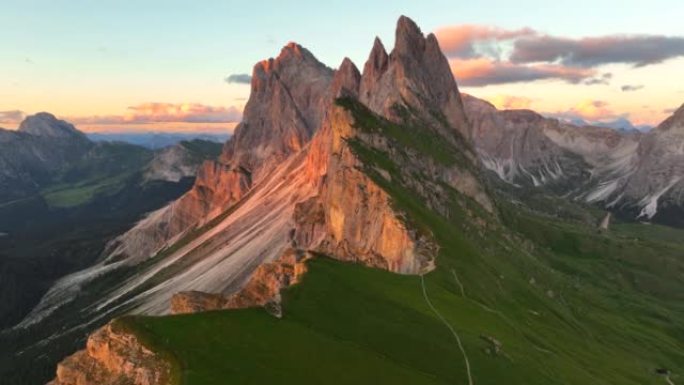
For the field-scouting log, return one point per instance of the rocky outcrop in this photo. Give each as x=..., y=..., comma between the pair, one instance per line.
x=415, y=73
x=113, y=356
x=179, y=161
x=283, y=112
x=263, y=288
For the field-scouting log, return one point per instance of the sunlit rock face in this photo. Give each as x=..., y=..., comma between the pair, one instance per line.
x=283, y=112
x=289, y=180
x=113, y=356
x=289, y=186
x=415, y=73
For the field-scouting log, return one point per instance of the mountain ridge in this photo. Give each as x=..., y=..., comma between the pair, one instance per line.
x=381, y=169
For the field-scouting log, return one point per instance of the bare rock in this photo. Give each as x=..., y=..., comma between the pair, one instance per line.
x=113, y=357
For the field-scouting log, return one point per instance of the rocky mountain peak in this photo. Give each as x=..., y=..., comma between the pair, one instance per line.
x=375, y=66
x=347, y=79
x=408, y=38
x=676, y=120
x=416, y=74
x=284, y=108
x=47, y=125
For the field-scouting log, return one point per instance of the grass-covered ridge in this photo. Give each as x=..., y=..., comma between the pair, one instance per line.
x=534, y=299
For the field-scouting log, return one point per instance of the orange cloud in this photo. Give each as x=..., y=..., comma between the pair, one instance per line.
x=464, y=40
x=510, y=102
x=485, y=71
x=166, y=112
x=595, y=110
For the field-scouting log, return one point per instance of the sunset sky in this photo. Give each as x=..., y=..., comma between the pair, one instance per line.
x=183, y=65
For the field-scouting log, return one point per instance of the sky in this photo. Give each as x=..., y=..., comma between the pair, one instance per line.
x=115, y=65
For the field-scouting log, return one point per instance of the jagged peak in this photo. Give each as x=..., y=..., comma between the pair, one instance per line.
x=377, y=60
x=347, y=79
x=676, y=119
x=291, y=54
x=46, y=124
x=409, y=38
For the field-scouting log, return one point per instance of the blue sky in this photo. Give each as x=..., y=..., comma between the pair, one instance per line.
x=82, y=58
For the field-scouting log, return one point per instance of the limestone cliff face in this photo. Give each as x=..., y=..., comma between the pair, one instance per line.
x=352, y=217
x=283, y=112
x=262, y=289
x=294, y=186
x=112, y=357
x=415, y=73
x=655, y=185
x=640, y=175
x=217, y=187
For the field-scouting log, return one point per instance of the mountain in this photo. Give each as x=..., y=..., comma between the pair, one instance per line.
x=41, y=146
x=524, y=148
x=651, y=188
x=78, y=195
x=349, y=233
x=636, y=175
x=155, y=140
x=181, y=160
x=620, y=124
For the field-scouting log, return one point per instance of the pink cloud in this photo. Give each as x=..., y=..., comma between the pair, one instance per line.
x=166, y=112
x=12, y=117
x=486, y=71
x=590, y=111
x=510, y=102
x=491, y=55
x=461, y=40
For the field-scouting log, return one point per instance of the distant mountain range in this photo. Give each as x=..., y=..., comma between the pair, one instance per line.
x=155, y=140
x=62, y=196
x=620, y=124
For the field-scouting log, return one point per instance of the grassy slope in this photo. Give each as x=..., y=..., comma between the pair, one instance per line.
x=105, y=170
x=569, y=305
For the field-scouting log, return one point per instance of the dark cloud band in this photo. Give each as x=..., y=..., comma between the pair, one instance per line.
x=239, y=79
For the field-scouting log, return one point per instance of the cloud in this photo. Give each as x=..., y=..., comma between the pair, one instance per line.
x=627, y=87
x=239, y=79
x=510, y=102
x=484, y=71
x=494, y=55
x=590, y=111
x=12, y=116
x=464, y=41
x=603, y=79
x=166, y=112
x=638, y=50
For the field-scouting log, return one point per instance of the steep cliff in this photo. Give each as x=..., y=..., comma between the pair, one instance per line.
x=113, y=356
x=296, y=181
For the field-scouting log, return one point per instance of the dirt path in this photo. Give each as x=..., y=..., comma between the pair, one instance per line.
x=448, y=325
